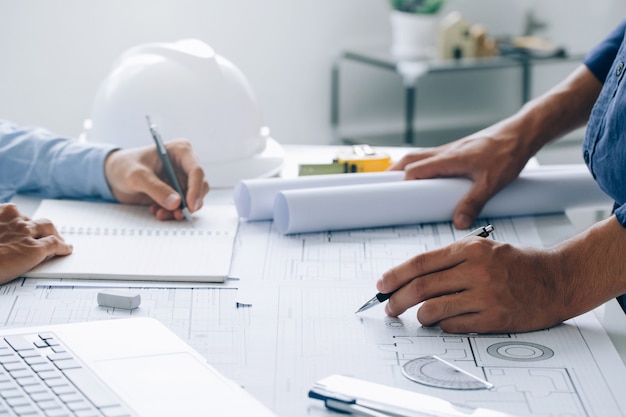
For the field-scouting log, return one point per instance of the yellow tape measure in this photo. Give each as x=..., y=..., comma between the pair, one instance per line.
x=362, y=158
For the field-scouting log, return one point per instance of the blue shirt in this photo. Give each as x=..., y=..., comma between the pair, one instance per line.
x=35, y=161
x=604, y=148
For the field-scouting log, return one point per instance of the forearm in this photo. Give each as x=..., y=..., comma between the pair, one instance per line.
x=593, y=267
x=560, y=110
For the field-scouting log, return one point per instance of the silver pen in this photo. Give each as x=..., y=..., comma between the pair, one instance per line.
x=345, y=404
x=380, y=297
x=169, y=169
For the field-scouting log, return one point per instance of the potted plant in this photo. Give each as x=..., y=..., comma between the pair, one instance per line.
x=417, y=6
x=414, y=27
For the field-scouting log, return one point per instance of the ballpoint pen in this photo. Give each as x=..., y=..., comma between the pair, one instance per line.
x=169, y=169
x=345, y=404
x=484, y=231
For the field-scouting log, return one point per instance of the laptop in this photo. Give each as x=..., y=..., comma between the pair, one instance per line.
x=119, y=367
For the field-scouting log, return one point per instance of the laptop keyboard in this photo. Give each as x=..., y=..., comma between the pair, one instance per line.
x=40, y=377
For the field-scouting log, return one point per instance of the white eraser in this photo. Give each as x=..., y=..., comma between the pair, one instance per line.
x=119, y=299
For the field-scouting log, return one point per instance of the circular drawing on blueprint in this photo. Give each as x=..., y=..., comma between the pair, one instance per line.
x=520, y=351
x=435, y=372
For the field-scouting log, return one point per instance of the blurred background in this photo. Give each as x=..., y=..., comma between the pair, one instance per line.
x=55, y=53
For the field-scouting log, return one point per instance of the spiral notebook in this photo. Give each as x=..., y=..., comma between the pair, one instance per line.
x=115, y=241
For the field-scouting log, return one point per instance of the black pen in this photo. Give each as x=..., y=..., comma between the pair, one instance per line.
x=380, y=297
x=169, y=169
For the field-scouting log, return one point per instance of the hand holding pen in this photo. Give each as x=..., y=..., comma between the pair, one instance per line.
x=382, y=297
x=138, y=176
x=169, y=170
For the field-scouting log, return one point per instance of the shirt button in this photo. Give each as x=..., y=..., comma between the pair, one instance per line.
x=586, y=157
x=619, y=69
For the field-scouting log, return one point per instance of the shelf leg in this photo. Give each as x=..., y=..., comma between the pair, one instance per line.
x=334, y=99
x=409, y=117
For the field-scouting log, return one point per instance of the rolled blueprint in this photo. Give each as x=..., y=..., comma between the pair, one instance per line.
x=254, y=199
x=536, y=191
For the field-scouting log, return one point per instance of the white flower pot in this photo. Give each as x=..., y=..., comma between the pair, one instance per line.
x=413, y=36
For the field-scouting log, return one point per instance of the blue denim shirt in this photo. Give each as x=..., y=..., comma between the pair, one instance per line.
x=35, y=161
x=604, y=148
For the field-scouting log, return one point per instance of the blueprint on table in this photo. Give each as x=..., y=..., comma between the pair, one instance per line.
x=301, y=326
x=308, y=286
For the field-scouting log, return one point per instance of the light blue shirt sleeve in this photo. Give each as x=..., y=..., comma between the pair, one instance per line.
x=35, y=161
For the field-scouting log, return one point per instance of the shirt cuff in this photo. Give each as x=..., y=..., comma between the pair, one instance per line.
x=94, y=161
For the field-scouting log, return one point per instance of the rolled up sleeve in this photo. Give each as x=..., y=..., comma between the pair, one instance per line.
x=35, y=161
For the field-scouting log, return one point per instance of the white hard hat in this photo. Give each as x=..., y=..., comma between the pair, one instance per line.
x=189, y=92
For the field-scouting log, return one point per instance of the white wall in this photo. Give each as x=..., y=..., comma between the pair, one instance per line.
x=54, y=53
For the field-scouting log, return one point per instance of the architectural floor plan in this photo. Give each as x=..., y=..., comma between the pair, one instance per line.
x=292, y=323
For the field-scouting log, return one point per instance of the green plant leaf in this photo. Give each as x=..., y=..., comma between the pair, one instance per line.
x=418, y=6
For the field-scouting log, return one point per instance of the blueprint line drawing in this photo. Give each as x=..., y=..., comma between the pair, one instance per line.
x=292, y=322
x=315, y=281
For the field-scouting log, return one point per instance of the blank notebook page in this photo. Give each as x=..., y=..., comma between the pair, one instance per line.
x=115, y=241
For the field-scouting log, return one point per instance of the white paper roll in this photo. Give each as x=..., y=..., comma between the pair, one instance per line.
x=254, y=199
x=536, y=191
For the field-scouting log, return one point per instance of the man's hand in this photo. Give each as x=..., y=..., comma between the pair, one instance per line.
x=136, y=176
x=495, y=156
x=25, y=243
x=490, y=158
x=470, y=286
x=484, y=286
